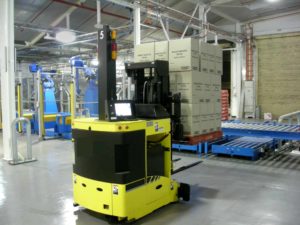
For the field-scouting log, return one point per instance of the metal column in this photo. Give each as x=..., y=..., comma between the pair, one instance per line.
x=136, y=39
x=236, y=84
x=7, y=65
x=137, y=24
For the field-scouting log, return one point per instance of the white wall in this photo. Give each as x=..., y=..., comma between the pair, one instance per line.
x=283, y=24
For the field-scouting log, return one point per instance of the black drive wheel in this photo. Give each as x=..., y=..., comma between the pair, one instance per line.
x=184, y=191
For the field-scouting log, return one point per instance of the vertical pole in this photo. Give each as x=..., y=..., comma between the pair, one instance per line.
x=216, y=39
x=68, y=21
x=107, y=70
x=7, y=66
x=40, y=106
x=167, y=26
x=123, y=85
x=137, y=37
x=73, y=93
x=236, y=84
x=61, y=97
x=200, y=16
x=137, y=24
x=164, y=29
x=98, y=25
x=19, y=105
x=29, y=143
x=72, y=100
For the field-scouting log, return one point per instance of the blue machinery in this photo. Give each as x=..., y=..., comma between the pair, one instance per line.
x=271, y=130
x=48, y=122
x=244, y=146
x=255, y=137
x=90, y=97
x=54, y=123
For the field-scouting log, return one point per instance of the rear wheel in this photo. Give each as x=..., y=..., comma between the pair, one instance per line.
x=184, y=191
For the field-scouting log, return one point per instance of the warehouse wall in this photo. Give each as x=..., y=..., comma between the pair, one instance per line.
x=281, y=24
x=278, y=73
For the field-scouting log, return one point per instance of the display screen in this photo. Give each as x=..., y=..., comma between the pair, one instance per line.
x=123, y=109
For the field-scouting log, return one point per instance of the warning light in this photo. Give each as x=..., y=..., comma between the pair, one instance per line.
x=113, y=35
x=114, y=51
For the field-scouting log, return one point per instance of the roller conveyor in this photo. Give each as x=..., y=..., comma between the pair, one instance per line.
x=245, y=146
x=255, y=129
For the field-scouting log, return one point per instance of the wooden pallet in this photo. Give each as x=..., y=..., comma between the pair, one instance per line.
x=192, y=140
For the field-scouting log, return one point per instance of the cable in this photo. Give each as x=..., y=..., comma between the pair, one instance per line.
x=145, y=83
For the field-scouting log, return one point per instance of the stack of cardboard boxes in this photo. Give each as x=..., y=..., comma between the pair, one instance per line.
x=195, y=71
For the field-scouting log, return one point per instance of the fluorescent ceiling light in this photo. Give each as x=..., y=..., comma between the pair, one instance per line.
x=94, y=62
x=272, y=1
x=65, y=36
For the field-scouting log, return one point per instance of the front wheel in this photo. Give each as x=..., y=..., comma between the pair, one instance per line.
x=184, y=191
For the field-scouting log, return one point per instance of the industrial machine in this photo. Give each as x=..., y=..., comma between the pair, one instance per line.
x=47, y=121
x=123, y=164
x=90, y=93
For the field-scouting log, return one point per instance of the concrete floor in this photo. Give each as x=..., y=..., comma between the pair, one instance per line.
x=224, y=191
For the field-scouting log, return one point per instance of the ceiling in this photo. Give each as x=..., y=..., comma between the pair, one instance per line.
x=34, y=16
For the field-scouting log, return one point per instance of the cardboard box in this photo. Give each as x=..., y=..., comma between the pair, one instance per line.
x=184, y=54
x=188, y=109
x=144, y=52
x=203, y=107
x=173, y=88
x=188, y=77
x=191, y=86
x=204, y=124
x=191, y=125
x=211, y=124
x=218, y=54
x=204, y=65
x=219, y=68
x=211, y=64
x=210, y=106
x=189, y=93
x=204, y=49
x=173, y=78
x=217, y=107
x=161, y=50
x=218, y=122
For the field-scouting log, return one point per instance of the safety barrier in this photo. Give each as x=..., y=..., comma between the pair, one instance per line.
x=16, y=159
x=290, y=117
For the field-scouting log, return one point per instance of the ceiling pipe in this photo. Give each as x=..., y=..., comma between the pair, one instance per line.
x=40, y=12
x=227, y=35
x=187, y=26
x=191, y=17
x=91, y=9
x=108, y=13
x=164, y=29
x=53, y=24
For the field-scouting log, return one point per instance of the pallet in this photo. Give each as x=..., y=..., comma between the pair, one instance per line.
x=193, y=140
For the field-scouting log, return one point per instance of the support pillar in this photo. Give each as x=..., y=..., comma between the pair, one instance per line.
x=137, y=24
x=201, y=16
x=137, y=37
x=7, y=66
x=236, y=82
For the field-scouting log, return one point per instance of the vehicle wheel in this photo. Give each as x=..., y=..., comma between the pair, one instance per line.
x=184, y=191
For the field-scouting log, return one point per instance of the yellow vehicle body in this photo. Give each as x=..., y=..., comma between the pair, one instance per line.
x=137, y=198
